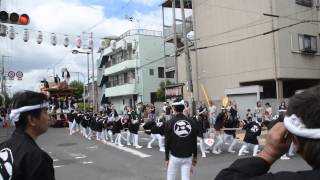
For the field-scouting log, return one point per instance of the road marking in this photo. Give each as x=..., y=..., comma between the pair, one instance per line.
x=58, y=166
x=87, y=162
x=81, y=157
x=129, y=150
x=92, y=147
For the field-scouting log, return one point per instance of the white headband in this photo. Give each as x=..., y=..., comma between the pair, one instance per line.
x=295, y=126
x=178, y=103
x=15, y=113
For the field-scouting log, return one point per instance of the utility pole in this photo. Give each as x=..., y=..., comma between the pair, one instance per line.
x=93, y=83
x=187, y=57
x=3, y=80
x=174, y=26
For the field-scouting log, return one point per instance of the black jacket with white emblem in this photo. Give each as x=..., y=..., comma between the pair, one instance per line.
x=22, y=159
x=181, y=137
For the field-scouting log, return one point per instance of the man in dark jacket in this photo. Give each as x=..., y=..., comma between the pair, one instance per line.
x=180, y=143
x=20, y=157
x=301, y=126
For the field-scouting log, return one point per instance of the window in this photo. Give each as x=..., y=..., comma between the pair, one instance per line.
x=307, y=3
x=170, y=74
x=161, y=72
x=125, y=78
x=307, y=43
x=151, y=72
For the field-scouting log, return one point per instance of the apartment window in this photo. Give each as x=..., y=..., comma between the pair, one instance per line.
x=131, y=77
x=151, y=72
x=307, y=3
x=170, y=74
x=125, y=78
x=161, y=72
x=307, y=43
x=121, y=79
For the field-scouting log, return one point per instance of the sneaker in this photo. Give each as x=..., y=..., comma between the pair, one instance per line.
x=162, y=150
x=216, y=152
x=149, y=147
x=204, y=155
x=231, y=151
x=246, y=152
x=104, y=141
x=128, y=144
x=285, y=157
x=241, y=154
x=138, y=147
x=120, y=145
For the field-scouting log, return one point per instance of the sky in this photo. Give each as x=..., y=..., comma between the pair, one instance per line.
x=70, y=17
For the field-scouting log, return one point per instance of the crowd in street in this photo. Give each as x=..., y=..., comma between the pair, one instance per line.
x=178, y=135
x=218, y=128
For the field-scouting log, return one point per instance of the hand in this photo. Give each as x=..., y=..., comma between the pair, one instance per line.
x=278, y=142
x=194, y=162
x=166, y=164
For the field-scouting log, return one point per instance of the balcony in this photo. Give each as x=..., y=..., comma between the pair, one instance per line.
x=168, y=32
x=168, y=4
x=127, y=89
x=121, y=67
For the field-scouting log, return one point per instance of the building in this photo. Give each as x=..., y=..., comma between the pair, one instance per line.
x=131, y=68
x=241, y=53
x=173, y=37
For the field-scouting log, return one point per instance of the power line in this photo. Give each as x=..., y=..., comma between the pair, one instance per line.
x=257, y=35
x=252, y=24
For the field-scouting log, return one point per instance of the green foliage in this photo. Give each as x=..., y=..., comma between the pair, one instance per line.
x=161, y=90
x=77, y=89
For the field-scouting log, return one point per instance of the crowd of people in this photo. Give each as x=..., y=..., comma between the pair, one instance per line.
x=296, y=125
x=217, y=127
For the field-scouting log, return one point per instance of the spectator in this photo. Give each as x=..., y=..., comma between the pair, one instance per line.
x=302, y=127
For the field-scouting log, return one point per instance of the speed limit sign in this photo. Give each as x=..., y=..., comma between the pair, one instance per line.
x=19, y=75
x=11, y=75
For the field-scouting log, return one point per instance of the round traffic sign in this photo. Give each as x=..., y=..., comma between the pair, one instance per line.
x=11, y=74
x=19, y=74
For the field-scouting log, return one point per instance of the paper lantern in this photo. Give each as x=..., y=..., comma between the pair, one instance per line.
x=12, y=33
x=66, y=41
x=78, y=42
x=26, y=35
x=90, y=43
x=53, y=39
x=39, y=37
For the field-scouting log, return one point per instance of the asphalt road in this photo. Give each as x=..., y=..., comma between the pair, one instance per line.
x=76, y=158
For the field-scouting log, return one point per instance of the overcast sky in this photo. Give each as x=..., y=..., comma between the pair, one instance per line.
x=70, y=17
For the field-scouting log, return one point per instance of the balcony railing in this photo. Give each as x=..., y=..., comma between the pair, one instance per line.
x=122, y=90
x=168, y=30
x=141, y=32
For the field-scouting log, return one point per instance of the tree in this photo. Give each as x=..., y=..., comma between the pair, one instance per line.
x=77, y=88
x=161, y=91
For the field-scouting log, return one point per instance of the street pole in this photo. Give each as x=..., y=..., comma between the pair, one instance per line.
x=93, y=83
x=196, y=49
x=2, y=74
x=88, y=78
x=187, y=57
x=175, y=39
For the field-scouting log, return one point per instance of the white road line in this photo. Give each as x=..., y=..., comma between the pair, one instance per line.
x=81, y=157
x=129, y=150
x=58, y=166
x=87, y=162
x=92, y=147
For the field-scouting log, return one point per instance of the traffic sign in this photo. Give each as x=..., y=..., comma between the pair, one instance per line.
x=19, y=75
x=11, y=75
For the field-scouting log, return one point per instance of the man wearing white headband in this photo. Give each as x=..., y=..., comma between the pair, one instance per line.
x=20, y=156
x=301, y=125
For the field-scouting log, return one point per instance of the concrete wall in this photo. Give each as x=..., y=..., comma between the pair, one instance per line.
x=151, y=57
x=294, y=65
x=257, y=59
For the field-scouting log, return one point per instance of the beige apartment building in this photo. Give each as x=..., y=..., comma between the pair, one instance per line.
x=235, y=54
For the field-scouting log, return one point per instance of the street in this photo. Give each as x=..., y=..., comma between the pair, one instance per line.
x=76, y=158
